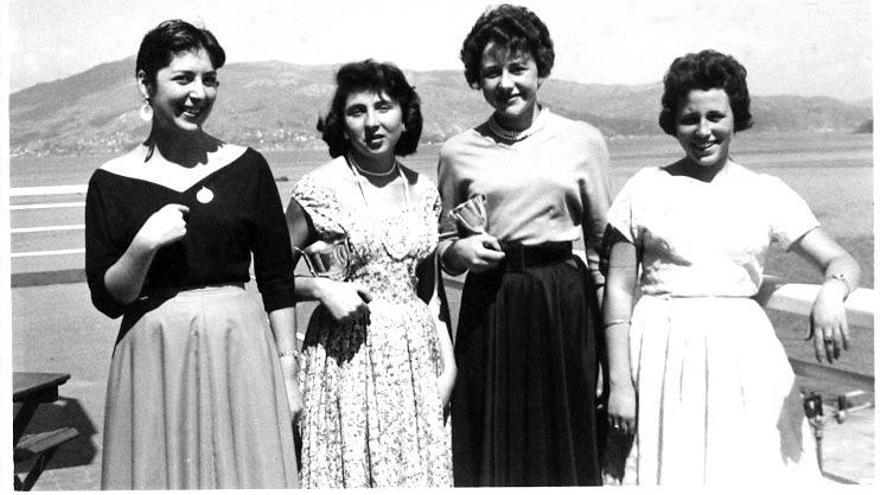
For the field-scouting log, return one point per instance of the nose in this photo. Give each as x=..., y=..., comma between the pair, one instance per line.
x=197, y=90
x=703, y=128
x=371, y=120
x=506, y=81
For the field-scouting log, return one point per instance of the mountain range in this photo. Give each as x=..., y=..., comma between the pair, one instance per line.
x=275, y=105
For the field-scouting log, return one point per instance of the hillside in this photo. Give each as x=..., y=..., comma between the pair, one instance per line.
x=275, y=105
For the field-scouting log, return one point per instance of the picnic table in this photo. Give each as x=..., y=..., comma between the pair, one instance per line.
x=32, y=389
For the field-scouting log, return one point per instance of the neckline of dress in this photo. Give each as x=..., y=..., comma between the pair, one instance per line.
x=359, y=178
x=204, y=178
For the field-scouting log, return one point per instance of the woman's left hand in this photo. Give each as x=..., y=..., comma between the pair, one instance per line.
x=828, y=322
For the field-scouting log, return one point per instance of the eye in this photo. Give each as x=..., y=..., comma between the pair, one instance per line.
x=355, y=110
x=384, y=106
x=518, y=68
x=210, y=80
x=490, y=72
x=716, y=116
x=688, y=119
x=183, y=78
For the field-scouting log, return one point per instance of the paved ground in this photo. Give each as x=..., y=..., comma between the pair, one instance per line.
x=56, y=329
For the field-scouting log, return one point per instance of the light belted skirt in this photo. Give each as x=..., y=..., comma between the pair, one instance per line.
x=196, y=396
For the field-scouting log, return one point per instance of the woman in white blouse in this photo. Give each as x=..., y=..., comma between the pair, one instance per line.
x=697, y=374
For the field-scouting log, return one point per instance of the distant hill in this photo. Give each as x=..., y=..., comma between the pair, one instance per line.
x=275, y=105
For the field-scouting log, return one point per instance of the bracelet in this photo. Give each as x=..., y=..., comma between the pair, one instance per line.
x=289, y=352
x=616, y=322
x=841, y=277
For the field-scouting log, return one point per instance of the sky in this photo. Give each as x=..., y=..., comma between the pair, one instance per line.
x=802, y=47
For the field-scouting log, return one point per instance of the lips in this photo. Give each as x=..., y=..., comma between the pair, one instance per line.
x=374, y=142
x=703, y=147
x=192, y=112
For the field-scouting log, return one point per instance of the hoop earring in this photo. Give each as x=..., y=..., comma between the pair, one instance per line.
x=146, y=111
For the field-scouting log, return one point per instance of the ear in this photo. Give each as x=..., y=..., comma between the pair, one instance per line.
x=144, y=86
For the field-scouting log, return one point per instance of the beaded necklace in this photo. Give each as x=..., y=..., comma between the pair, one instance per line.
x=514, y=136
x=364, y=171
x=394, y=245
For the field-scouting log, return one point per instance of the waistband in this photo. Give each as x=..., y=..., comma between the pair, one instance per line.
x=518, y=257
x=162, y=293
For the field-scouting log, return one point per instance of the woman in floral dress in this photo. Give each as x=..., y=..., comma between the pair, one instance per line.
x=377, y=363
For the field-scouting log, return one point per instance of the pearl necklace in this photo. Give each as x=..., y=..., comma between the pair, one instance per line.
x=510, y=135
x=394, y=167
x=396, y=248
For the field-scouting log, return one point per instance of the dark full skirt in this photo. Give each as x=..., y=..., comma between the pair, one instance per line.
x=524, y=406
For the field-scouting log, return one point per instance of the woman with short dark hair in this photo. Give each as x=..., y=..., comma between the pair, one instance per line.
x=377, y=362
x=525, y=406
x=202, y=391
x=697, y=374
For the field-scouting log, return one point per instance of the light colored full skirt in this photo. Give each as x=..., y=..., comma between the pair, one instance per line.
x=196, y=397
x=717, y=402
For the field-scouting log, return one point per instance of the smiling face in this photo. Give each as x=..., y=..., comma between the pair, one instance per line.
x=184, y=91
x=373, y=123
x=510, y=82
x=704, y=127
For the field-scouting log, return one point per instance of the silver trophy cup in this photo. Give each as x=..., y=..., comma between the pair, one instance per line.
x=329, y=259
x=470, y=216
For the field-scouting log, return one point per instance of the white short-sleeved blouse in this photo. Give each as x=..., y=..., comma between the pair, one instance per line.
x=707, y=239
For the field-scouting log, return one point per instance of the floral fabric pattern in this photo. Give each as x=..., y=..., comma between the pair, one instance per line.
x=373, y=415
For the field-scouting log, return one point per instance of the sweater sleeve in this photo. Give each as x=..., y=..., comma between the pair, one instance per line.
x=596, y=193
x=448, y=188
x=273, y=260
x=101, y=251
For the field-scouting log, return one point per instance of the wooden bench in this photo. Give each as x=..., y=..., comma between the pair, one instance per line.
x=42, y=446
x=30, y=390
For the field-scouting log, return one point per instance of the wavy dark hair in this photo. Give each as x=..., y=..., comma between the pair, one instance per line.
x=705, y=70
x=171, y=37
x=518, y=28
x=380, y=77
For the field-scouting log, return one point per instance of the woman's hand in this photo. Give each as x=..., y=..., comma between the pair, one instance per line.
x=477, y=253
x=622, y=408
x=828, y=321
x=346, y=301
x=290, y=368
x=445, y=385
x=165, y=226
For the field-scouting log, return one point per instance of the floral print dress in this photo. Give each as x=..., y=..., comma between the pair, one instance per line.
x=372, y=412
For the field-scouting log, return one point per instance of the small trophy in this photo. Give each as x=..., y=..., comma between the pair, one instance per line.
x=470, y=216
x=328, y=259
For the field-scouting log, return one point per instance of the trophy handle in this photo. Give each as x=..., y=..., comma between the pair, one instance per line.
x=303, y=256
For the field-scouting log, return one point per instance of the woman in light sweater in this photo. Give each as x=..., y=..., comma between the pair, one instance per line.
x=523, y=410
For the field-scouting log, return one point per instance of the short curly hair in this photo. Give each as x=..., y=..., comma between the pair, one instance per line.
x=171, y=37
x=381, y=77
x=705, y=70
x=518, y=28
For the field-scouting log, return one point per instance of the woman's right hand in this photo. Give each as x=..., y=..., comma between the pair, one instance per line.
x=165, y=226
x=477, y=253
x=622, y=409
x=346, y=301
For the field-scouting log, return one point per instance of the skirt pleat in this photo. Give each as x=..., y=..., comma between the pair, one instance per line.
x=524, y=406
x=717, y=402
x=196, y=397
